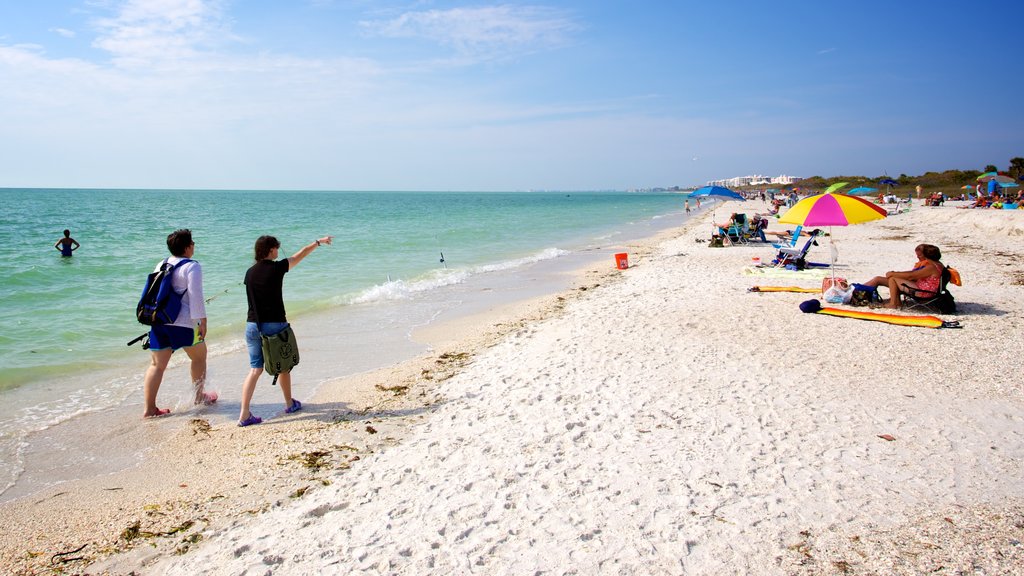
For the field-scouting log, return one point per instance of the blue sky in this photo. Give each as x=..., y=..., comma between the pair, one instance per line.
x=424, y=95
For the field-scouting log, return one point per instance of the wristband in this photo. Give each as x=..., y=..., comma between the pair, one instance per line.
x=317, y=242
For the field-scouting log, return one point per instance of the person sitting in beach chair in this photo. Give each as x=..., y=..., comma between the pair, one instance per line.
x=924, y=279
x=733, y=230
x=939, y=300
x=756, y=229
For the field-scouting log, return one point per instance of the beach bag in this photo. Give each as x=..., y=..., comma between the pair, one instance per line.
x=838, y=292
x=945, y=303
x=828, y=282
x=864, y=295
x=159, y=303
x=280, y=352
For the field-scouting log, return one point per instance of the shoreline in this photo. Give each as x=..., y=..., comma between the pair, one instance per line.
x=733, y=417
x=350, y=339
x=173, y=481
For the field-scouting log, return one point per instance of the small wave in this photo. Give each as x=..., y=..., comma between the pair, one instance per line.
x=400, y=289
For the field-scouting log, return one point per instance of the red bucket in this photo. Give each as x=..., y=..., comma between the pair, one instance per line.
x=622, y=261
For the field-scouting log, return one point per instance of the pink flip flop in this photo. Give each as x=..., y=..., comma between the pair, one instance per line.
x=159, y=412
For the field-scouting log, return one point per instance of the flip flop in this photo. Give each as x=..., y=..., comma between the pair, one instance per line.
x=159, y=412
x=250, y=421
x=209, y=398
x=296, y=406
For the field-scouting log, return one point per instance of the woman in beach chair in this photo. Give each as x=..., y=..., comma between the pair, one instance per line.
x=734, y=228
x=925, y=278
x=756, y=229
x=940, y=300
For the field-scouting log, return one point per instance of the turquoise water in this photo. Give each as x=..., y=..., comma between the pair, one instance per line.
x=70, y=391
x=71, y=314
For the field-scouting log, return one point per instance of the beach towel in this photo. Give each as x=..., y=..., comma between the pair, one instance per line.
x=769, y=272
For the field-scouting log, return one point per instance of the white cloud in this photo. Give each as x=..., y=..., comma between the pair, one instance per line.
x=142, y=32
x=63, y=32
x=483, y=32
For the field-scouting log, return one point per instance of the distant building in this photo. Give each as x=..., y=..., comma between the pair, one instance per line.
x=755, y=180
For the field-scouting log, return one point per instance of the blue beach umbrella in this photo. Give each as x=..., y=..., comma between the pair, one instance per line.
x=861, y=190
x=718, y=192
x=888, y=182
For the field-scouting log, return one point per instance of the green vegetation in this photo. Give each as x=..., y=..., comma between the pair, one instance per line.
x=948, y=181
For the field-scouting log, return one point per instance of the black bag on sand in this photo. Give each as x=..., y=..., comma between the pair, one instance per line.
x=280, y=352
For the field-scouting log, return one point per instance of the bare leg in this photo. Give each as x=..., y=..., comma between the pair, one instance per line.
x=877, y=281
x=894, y=294
x=248, y=387
x=154, y=376
x=197, y=354
x=285, y=382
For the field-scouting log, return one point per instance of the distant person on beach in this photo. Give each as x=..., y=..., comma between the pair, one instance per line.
x=926, y=275
x=918, y=189
x=188, y=330
x=64, y=244
x=263, y=289
x=687, y=203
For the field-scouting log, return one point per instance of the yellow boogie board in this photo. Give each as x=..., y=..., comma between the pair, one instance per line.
x=783, y=289
x=922, y=321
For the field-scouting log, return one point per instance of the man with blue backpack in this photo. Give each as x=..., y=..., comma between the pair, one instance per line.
x=172, y=305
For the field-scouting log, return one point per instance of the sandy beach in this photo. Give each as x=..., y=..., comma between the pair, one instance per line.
x=656, y=420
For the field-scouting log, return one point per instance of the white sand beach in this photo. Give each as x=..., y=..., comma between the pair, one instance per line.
x=656, y=420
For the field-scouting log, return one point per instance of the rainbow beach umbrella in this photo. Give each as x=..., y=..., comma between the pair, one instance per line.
x=832, y=209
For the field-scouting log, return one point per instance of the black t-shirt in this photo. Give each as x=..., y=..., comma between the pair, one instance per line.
x=263, y=282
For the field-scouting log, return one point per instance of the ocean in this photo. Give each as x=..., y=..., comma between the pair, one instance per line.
x=399, y=260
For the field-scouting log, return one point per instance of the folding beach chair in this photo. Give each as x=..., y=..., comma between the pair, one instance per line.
x=738, y=228
x=792, y=239
x=755, y=230
x=941, y=301
x=787, y=256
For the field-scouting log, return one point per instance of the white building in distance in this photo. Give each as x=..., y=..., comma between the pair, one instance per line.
x=755, y=180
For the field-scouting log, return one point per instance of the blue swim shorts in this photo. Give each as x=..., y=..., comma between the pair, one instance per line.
x=255, y=344
x=173, y=337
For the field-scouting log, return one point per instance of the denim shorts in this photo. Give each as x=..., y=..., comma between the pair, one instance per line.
x=255, y=344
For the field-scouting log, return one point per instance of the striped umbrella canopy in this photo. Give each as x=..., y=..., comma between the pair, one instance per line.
x=1001, y=178
x=831, y=209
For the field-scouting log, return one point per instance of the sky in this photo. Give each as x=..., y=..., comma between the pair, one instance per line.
x=477, y=96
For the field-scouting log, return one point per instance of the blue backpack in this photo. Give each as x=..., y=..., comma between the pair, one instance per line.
x=159, y=303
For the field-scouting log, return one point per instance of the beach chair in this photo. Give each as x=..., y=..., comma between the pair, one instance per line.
x=755, y=231
x=941, y=302
x=737, y=228
x=795, y=256
x=792, y=239
x=896, y=210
